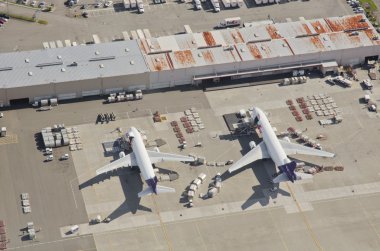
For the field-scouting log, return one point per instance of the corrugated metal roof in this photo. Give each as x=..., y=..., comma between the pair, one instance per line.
x=258, y=42
x=347, y=23
x=116, y=58
x=320, y=26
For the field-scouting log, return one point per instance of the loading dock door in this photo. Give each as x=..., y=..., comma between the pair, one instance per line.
x=90, y=93
x=19, y=101
x=65, y=96
x=113, y=90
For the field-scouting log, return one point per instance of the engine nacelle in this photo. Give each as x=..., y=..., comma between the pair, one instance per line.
x=156, y=149
x=121, y=154
x=286, y=139
x=252, y=144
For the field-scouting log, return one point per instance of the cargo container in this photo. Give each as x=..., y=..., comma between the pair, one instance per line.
x=233, y=3
x=240, y=3
x=127, y=4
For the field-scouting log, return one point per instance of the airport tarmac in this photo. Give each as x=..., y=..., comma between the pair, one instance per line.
x=334, y=211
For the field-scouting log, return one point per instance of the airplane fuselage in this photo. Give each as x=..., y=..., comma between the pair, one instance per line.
x=270, y=139
x=142, y=158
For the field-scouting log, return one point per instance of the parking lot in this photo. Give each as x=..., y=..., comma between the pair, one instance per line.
x=160, y=19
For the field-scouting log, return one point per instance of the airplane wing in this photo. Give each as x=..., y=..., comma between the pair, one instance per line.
x=292, y=148
x=127, y=160
x=259, y=152
x=160, y=157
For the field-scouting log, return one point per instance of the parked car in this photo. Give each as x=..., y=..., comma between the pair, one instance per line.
x=25, y=2
x=49, y=158
x=4, y=16
x=98, y=5
x=42, y=4
x=33, y=3
x=108, y=4
x=64, y=157
x=2, y=22
x=3, y=19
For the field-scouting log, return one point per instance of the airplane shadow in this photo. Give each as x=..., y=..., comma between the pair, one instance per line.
x=263, y=170
x=131, y=184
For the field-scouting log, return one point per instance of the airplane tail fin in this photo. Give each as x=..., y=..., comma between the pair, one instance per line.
x=299, y=176
x=287, y=173
x=145, y=192
x=162, y=189
x=159, y=189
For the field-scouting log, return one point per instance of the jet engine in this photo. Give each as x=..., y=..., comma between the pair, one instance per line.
x=121, y=154
x=252, y=144
x=286, y=139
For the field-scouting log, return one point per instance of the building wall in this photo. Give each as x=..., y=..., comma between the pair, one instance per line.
x=74, y=89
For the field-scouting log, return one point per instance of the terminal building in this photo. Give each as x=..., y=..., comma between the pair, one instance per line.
x=191, y=58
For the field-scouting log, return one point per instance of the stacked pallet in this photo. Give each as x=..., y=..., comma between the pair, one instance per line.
x=178, y=132
x=323, y=105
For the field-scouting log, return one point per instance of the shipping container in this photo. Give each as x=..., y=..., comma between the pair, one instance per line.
x=226, y=3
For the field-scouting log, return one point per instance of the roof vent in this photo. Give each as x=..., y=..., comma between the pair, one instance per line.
x=26, y=60
x=59, y=57
x=49, y=64
x=132, y=62
x=6, y=69
x=102, y=58
x=63, y=69
x=242, y=50
x=193, y=42
x=101, y=65
x=157, y=60
x=255, y=35
x=30, y=73
x=284, y=45
x=228, y=48
x=127, y=50
x=97, y=52
x=200, y=55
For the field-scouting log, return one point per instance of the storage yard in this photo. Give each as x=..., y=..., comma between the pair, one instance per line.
x=63, y=194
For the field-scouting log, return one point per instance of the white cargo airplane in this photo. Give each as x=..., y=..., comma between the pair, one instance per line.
x=144, y=158
x=277, y=150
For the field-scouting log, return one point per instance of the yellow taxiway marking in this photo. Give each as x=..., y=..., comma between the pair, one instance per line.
x=163, y=227
x=9, y=139
x=304, y=218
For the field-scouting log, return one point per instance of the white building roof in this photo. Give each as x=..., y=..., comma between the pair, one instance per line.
x=57, y=65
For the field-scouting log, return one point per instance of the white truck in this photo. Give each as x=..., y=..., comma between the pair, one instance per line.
x=127, y=4
x=140, y=6
x=133, y=4
x=197, y=4
x=234, y=3
x=216, y=5
x=226, y=3
x=229, y=22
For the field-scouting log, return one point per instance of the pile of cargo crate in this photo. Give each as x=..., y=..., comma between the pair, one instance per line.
x=178, y=132
x=55, y=136
x=191, y=121
x=294, y=111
